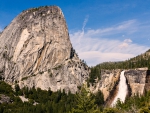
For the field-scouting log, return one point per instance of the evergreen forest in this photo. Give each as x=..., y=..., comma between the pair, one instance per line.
x=41, y=101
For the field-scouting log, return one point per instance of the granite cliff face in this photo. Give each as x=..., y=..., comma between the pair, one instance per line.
x=109, y=80
x=137, y=80
x=35, y=50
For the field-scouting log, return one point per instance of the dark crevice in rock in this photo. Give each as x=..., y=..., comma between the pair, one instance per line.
x=128, y=88
x=147, y=81
x=59, y=81
x=40, y=52
x=72, y=52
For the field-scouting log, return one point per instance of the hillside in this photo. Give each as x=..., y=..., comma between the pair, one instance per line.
x=140, y=61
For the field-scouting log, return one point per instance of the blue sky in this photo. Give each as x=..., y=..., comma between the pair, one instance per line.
x=100, y=30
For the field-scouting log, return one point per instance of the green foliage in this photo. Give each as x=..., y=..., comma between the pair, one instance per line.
x=17, y=88
x=99, y=98
x=94, y=74
x=1, y=77
x=111, y=110
x=25, y=78
x=18, y=91
x=48, y=101
x=85, y=103
x=35, y=9
x=145, y=110
x=139, y=61
x=60, y=102
x=5, y=88
x=58, y=67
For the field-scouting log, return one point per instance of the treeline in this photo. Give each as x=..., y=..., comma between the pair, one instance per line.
x=139, y=61
x=95, y=73
x=42, y=101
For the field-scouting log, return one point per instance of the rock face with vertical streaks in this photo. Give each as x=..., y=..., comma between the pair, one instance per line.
x=109, y=80
x=136, y=80
x=35, y=50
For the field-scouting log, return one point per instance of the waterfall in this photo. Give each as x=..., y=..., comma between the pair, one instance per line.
x=122, y=91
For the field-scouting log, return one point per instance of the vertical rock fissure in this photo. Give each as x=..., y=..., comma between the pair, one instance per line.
x=129, y=93
x=147, y=81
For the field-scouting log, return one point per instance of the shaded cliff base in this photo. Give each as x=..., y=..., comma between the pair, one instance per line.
x=129, y=89
x=113, y=94
x=147, y=82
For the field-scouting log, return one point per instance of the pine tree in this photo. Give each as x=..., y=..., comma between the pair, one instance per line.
x=85, y=103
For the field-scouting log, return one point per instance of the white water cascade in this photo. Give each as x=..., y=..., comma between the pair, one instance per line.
x=122, y=91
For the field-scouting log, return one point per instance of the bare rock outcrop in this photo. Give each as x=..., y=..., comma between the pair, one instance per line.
x=109, y=80
x=136, y=79
x=5, y=99
x=35, y=50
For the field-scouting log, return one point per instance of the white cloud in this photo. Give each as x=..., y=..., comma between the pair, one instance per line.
x=96, y=57
x=94, y=49
x=125, y=43
x=85, y=21
x=127, y=40
x=127, y=26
